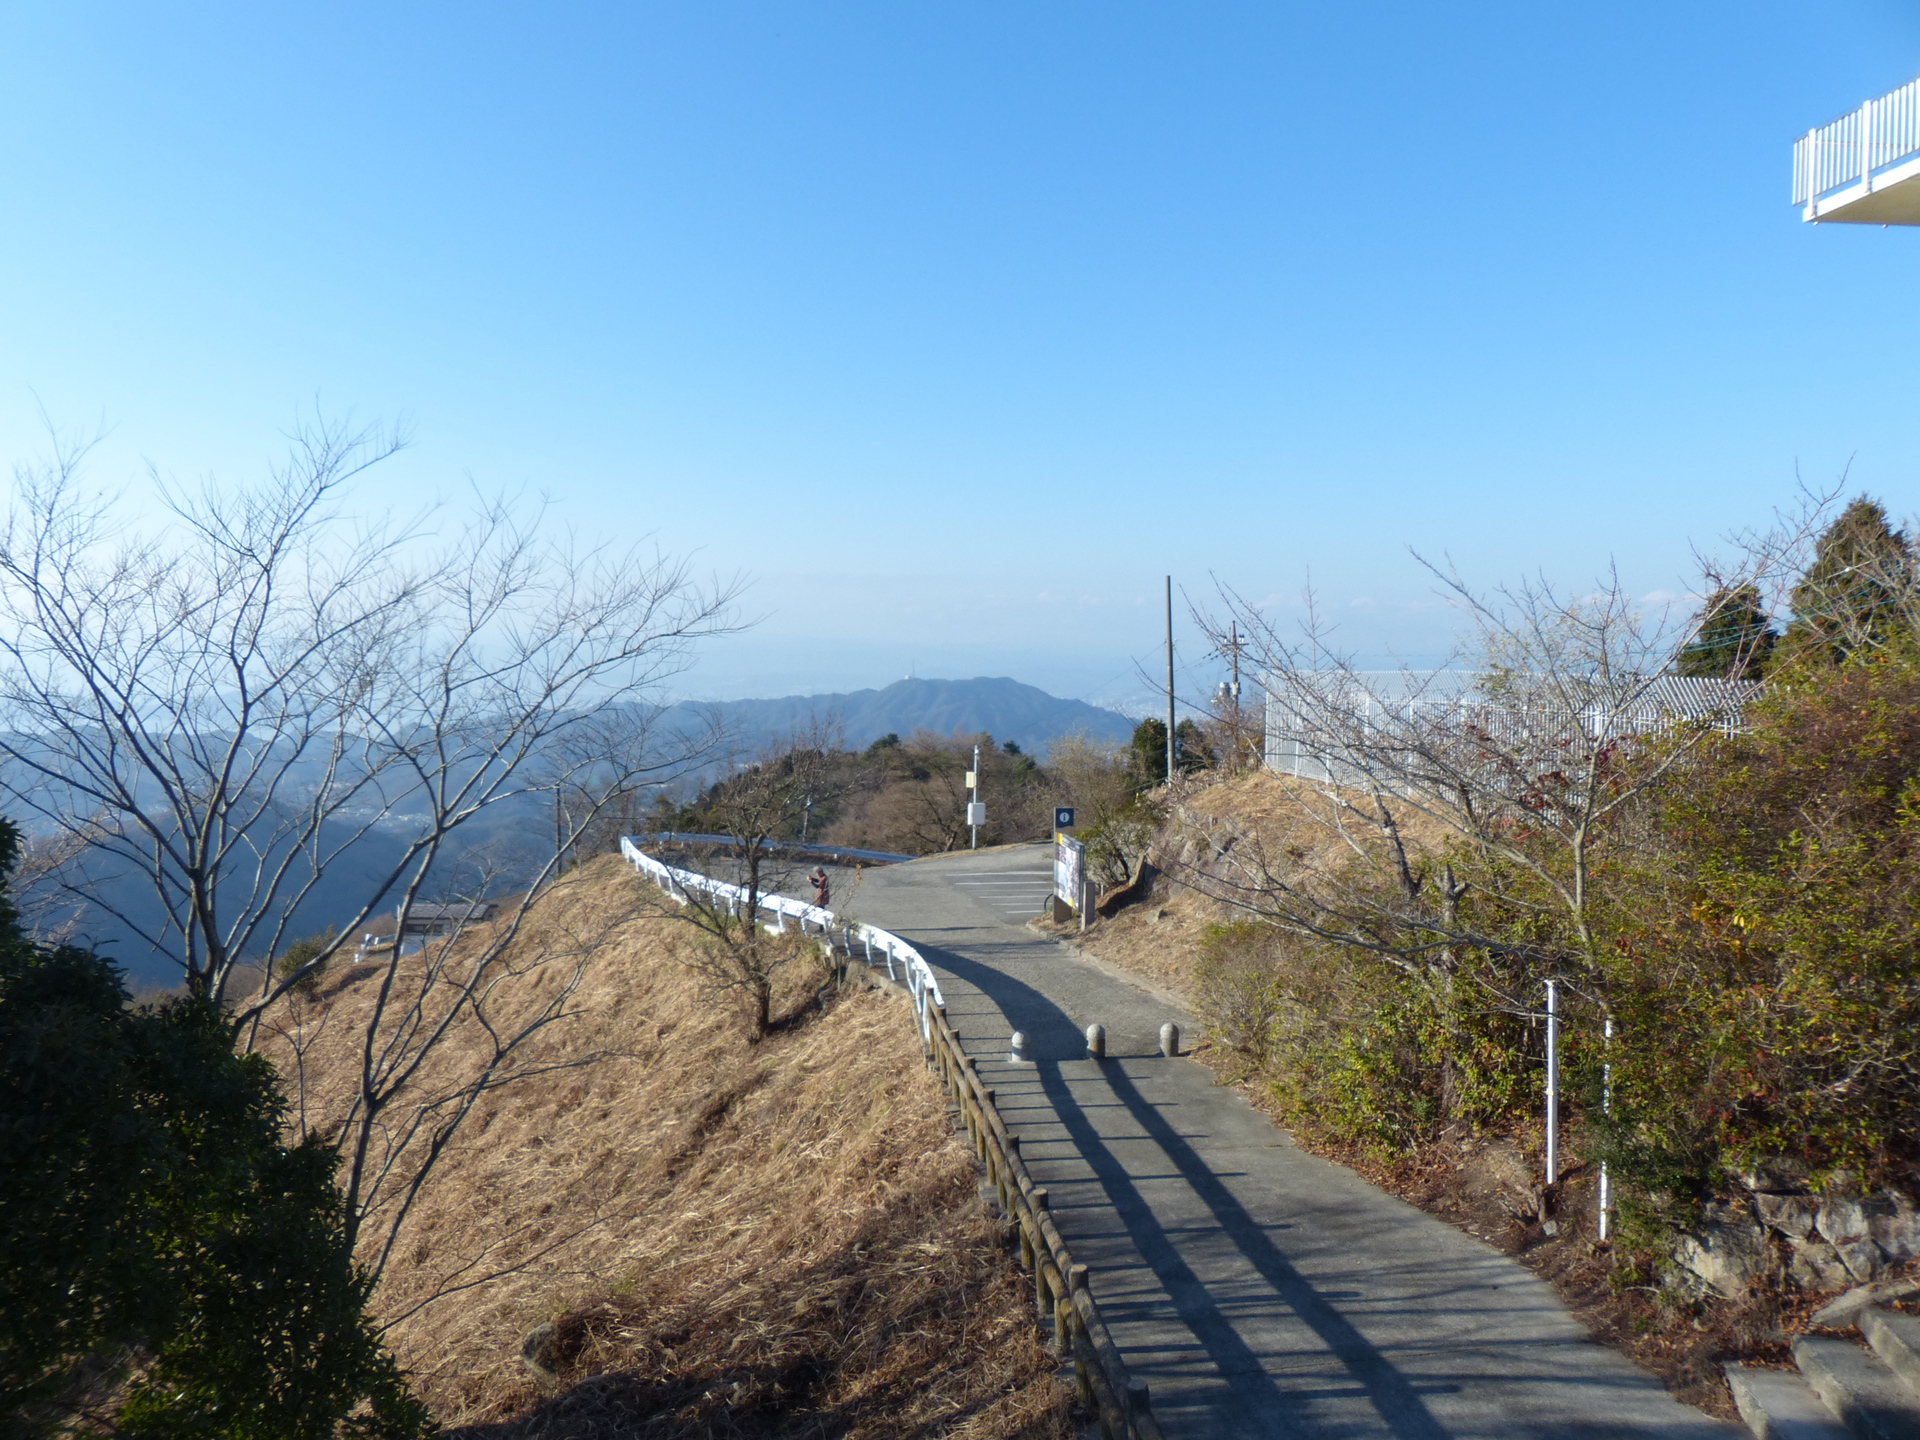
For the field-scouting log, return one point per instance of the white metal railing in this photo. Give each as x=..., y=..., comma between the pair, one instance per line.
x=880, y=948
x=1851, y=150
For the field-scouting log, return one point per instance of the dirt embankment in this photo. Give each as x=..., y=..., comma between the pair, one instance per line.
x=725, y=1239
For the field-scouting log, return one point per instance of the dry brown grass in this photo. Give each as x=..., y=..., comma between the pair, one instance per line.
x=728, y=1239
x=1278, y=821
x=1299, y=828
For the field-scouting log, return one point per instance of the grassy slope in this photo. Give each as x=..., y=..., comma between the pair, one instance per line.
x=783, y=1239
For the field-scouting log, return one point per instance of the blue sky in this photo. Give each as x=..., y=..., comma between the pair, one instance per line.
x=957, y=327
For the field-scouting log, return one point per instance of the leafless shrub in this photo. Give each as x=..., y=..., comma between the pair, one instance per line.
x=755, y=807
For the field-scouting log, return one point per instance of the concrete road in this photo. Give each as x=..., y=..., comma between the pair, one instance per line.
x=1258, y=1290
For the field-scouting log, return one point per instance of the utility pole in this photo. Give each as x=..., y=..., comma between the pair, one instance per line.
x=1169, y=679
x=1231, y=693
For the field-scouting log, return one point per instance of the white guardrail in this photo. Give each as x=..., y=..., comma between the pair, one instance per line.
x=881, y=948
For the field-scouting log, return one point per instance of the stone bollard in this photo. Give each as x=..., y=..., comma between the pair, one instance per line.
x=1019, y=1048
x=1096, y=1042
x=1169, y=1039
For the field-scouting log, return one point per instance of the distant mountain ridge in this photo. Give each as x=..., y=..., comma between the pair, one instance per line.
x=1004, y=708
x=518, y=828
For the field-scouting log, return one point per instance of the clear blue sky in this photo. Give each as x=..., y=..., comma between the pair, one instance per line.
x=957, y=326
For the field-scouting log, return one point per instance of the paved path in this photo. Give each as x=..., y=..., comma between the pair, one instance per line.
x=1258, y=1290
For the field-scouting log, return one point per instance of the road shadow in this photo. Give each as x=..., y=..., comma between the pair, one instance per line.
x=1264, y=1407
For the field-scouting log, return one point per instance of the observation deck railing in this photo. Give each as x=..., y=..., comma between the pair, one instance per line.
x=1859, y=147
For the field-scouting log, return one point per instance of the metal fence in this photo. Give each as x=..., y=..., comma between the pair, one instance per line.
x=1851, y=150
x=1333, y=728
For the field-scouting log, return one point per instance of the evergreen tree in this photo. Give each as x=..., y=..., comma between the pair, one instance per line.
x=172, y=1268
x=1733, y=637
x=1147, y=753
x=1857, y=595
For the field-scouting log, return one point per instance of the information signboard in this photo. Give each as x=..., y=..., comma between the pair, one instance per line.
x=1069, y=869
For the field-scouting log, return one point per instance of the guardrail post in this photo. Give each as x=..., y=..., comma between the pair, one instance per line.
x=1139, y=1399
x=1083, y=1381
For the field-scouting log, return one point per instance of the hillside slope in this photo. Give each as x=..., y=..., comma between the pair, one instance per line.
x=769, y=1240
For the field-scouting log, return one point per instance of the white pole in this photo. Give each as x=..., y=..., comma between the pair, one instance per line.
x=1553, y=1081
x=1606, y=1108
x=973, y=796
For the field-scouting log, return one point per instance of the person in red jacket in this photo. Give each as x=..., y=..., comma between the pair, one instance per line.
x=822, y=890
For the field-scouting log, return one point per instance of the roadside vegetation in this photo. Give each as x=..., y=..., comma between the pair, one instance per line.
x=909, y=796
x=1370, y=949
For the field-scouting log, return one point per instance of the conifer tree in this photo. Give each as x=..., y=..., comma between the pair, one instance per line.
x=1147, y=753
x=1857, y=596
x=1733, y=637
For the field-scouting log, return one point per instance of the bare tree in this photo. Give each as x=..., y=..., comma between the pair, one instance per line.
x=1117, y=823
x=266, y=695
x=756, y=807
x=390, y=1085
x=1521, y=766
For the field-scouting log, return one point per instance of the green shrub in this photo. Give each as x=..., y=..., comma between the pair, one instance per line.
x=1118, y=843
x=1768, y=986
x=168, y=1257
x=1357, y=1048
x=300, y=953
